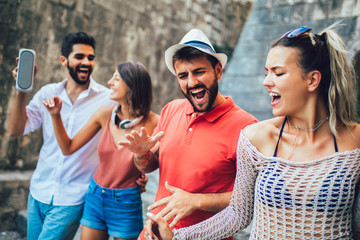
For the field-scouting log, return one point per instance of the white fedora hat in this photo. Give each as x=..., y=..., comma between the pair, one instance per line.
x=196, y=39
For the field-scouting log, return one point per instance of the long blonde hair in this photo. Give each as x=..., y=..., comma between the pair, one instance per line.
x=326, y=52
x=343, y=86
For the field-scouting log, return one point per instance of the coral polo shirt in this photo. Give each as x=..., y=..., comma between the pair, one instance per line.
x=198, y=153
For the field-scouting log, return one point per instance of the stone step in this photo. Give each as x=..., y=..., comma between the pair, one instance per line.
x=11, y=235
x=14, y=191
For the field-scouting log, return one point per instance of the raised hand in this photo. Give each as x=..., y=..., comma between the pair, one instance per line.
x=53, y=105
x=140, y=142
x=15, y=70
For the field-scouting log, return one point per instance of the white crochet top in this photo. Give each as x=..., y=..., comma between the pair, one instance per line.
x=289, y=200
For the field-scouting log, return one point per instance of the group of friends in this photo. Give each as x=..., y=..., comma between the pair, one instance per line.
x=294, y=176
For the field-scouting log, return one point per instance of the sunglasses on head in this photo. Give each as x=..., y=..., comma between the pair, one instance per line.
x=298, y=31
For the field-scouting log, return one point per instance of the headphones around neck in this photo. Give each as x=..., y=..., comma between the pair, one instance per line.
x=126, y=123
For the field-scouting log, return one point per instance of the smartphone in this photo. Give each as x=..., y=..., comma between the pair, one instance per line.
x=26, y=66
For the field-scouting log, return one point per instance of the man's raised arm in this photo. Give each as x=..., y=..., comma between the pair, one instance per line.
x=18, y=116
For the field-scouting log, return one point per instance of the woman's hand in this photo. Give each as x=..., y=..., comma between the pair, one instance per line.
x=157, y=228
x=141, y=182
x=53, y=105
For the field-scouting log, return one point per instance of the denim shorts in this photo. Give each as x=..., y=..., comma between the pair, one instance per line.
x=119, y=211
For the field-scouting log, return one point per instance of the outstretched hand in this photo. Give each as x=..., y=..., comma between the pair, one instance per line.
x=157, y=228
x=140, y=142
x=178, y=205
x=53, y=105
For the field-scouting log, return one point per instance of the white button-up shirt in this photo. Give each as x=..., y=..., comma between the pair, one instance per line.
x=64, y=178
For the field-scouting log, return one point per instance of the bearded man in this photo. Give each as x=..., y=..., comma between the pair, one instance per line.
x=59, y=183
x=196, y=154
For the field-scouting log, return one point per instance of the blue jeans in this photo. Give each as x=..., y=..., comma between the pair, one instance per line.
x=46, y=221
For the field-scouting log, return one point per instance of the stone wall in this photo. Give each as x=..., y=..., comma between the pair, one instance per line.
x=268, y=20
x=137, y=30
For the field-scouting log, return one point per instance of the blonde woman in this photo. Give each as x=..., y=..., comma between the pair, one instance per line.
x=297, y=172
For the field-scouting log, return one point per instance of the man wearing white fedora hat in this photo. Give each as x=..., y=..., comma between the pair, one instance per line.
x=196, y=155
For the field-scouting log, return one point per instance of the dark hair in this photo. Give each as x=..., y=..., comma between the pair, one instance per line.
x=137, y=77
x=190, y=53
x=76, y=38
x=327, y=53
x=312, y=57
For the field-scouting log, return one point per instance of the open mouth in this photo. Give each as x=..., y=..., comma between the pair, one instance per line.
x=83, y=72
x=275, y=98
x=198, y=94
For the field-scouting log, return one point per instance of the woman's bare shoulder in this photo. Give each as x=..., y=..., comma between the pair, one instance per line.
x=350, y=137
x=102, y=114
x=104, y=111
x=356, y=130
x=264, y=133
x=152, y=120
x=153, y=117
x=106, y=108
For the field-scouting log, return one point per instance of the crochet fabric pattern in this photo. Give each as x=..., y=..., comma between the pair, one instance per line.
x=289, y=200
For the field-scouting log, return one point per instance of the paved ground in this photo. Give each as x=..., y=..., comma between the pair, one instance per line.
x=10, y=236
x=147, y=197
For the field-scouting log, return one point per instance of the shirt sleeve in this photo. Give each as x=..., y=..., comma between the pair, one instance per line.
x=239, y=213
x=34, y=112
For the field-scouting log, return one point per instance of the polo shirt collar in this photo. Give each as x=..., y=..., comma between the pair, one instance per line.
x=214, y=113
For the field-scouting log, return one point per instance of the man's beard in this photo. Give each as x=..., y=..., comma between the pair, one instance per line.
x=212, y=93
x=73, y=73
